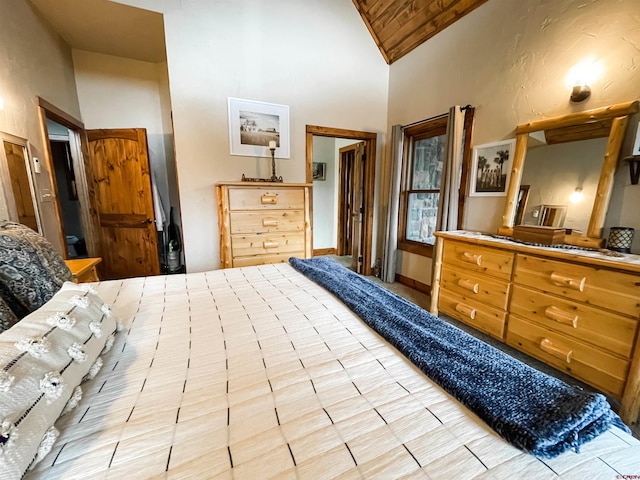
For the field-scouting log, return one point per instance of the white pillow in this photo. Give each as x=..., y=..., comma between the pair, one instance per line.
x=43, y=358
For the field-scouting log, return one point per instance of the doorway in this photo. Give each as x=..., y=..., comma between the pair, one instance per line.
x=67, y=187
x=345, y=212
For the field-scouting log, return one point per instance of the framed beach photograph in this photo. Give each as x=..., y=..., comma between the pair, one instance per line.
x=636, y=144
x=319, y=171
x=253, y=125
x=491, y=168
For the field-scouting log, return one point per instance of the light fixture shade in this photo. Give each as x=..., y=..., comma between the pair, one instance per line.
x=580, y=93
x=620, y=239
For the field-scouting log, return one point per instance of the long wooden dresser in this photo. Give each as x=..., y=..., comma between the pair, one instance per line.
x=263, y=222
x=576, y=310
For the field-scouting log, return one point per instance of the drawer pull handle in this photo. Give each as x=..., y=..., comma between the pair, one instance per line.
x=472, y=258
x=270, y=244
x=269, y=222
x=268, y=199
x=469, y=285
x=466, y=310
x=560, y=316
x=564, y=281
x=547, y=345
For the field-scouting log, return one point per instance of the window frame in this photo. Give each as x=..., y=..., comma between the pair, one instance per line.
x=411, y=134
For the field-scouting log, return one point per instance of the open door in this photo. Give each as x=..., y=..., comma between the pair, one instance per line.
x=351, y=203
x=120, y=175
x=357, y=208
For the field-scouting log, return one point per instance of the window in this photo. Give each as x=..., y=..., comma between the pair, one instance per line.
x=424, y=150
x=422, y=162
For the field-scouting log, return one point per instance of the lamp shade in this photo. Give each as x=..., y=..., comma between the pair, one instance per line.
x=620, y=239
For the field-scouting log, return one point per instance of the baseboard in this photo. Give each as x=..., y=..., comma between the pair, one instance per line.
x=324, y=251
x=415, y=284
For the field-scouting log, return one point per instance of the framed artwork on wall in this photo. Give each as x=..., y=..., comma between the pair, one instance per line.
x=491, y=168
x=636, y=144
x=252, y=125
x=319, y=171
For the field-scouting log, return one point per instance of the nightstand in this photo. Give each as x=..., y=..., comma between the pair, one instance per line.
x=84, y=269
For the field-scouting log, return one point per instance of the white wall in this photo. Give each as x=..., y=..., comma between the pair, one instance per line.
x=509, y=59
x=117, y=92
x=35, y=62
x=315, y=56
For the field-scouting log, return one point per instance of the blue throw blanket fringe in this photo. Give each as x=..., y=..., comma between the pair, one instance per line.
x=533, y=411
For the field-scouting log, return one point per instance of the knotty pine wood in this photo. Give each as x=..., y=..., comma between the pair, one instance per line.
x=122, y=186
x=399, y=27
x=263, y=222
x=578, y=311
x=577, y=122
x=20, y=184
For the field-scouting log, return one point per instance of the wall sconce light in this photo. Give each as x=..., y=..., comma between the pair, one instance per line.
x=579, y=93
x=581, y=76
x=634, y=168
x=576, y=196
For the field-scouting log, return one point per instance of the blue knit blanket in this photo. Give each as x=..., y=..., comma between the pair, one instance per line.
x=533, y=411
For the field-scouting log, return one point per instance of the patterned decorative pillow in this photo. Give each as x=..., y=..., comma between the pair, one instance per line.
x=31, y=271
x=43, y=360
x=7, y=317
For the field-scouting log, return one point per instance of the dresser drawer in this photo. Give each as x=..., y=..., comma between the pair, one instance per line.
x=615, y=291
x=265, y=222
x=247, y=245
x=481, y=288
x=583, y=322
x=603, y=370
x=483, y=317
x=478, y=259
x=265, y=259
x=266, y=198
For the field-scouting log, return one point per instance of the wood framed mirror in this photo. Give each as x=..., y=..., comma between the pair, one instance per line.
x=607, y=123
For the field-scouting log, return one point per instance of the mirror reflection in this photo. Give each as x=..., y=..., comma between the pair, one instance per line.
x=16, y=182
x=559, y=183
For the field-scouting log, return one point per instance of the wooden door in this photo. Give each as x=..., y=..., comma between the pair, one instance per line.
x=20, y=184
x=357, y=209
x=345, y=201
x=120, y=175
x=351, y=203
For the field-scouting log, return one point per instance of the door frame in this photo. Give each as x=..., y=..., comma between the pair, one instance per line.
x=369, y=138
x=79, y=147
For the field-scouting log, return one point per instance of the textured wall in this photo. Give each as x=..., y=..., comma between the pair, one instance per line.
x=35, y=62
x=315, y=56
x=510, y=60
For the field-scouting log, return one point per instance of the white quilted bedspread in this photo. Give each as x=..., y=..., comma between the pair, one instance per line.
x=260, y=373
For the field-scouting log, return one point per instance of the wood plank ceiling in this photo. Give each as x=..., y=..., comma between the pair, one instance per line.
x=399, y=26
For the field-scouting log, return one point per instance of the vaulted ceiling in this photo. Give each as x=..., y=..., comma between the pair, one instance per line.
x=399, y=26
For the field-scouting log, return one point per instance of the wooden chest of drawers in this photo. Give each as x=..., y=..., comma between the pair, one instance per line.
x=263, y=222
x=578, y=312
x=475, y=285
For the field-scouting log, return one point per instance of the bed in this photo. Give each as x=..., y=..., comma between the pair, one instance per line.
x=259, y=372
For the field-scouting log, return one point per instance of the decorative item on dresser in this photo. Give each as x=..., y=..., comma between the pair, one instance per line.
x=263, y=223
x=575, y=309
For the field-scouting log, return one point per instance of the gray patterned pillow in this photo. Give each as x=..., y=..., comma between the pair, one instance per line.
x=7, y=317
x=31, y=271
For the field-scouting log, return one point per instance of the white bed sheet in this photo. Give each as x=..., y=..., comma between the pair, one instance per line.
x=259, y=372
